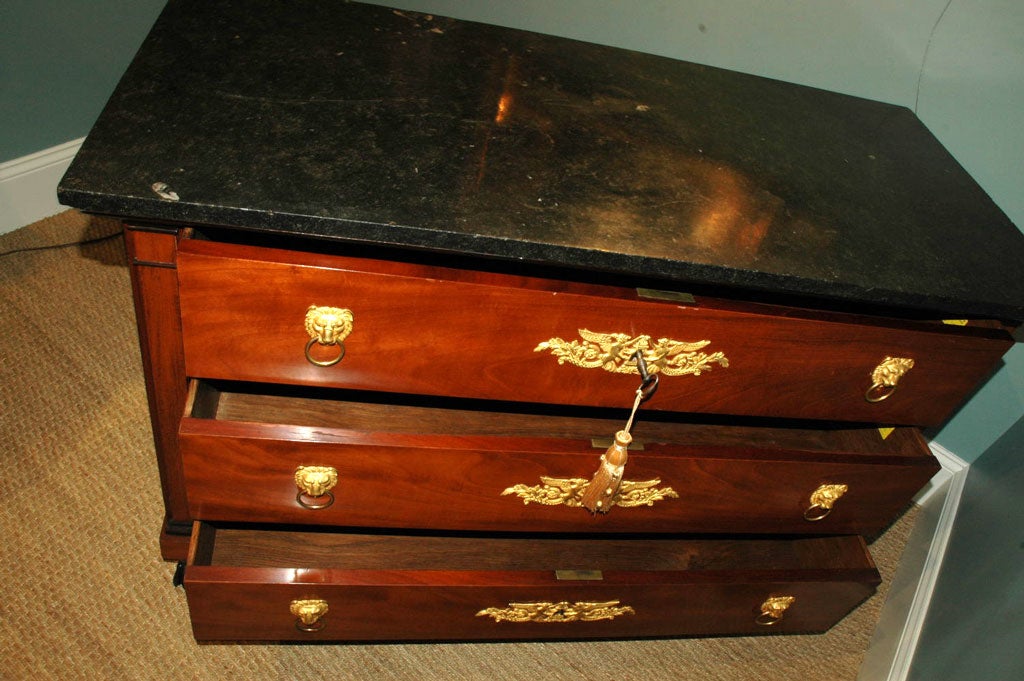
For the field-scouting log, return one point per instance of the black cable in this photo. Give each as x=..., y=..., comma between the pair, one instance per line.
x=86, y=242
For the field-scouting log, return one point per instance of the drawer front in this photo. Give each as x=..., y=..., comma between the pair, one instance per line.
x=422, y=330
x=225, y=610
x=247, y=472
x=528, y=600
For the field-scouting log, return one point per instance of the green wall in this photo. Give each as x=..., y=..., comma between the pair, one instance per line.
x=972, y=98
x=958, y=63
x=59, y=61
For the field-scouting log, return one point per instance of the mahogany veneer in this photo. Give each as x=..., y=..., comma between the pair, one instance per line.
x=240, y=584
x=443, y=416
x=411, y=466
x=476, y=334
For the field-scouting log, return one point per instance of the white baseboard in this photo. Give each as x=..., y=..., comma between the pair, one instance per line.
x=952, y=466
x=28, y=185
x=899, y=628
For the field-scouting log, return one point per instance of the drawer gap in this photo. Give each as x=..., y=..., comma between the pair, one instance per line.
x=374, y=413
x=242, y=547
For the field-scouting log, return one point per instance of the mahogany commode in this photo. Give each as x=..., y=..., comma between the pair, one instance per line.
x=396, y=278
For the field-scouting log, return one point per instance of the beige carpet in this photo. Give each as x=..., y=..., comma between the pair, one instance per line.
x=83, y=592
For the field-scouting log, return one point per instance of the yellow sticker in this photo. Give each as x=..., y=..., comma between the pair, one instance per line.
x=955, y=322
x=885, y=432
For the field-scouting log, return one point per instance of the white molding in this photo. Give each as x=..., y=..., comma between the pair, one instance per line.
x=28, y=185
x=895, y=641
x=958, y=469
x=952, y=466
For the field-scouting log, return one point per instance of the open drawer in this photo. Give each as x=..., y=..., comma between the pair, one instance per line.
x=362, y=460
x=258, y=584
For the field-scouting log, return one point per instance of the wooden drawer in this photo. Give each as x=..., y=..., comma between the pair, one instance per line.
x=242, y=584
x=430, y=330
x=443, y=467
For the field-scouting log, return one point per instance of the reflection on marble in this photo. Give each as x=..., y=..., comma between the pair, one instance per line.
x=353, y=122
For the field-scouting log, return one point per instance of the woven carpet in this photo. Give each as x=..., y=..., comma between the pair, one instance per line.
x=83, y=591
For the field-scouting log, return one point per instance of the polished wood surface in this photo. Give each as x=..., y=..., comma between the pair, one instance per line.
x=429, y=330
x=419, y=588
x=260, y=547
x=411, y=415
x=422, y=467
x=152, y=257
x=432, y=420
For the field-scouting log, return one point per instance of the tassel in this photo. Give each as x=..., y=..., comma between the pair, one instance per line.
x=600, y=493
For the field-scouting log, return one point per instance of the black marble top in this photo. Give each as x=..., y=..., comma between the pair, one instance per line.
x=355, y=122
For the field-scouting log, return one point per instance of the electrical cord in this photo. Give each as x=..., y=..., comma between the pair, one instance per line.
x=29, y=249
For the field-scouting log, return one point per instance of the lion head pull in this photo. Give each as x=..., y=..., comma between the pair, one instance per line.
x=327, y=326
x=315, y=484
x=886, y=376
x=309, y=614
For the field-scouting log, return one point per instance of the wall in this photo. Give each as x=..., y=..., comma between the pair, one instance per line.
x=974, y=627
x=59, y=61
x=65, y=55
x=871, y=49
x=972, y=98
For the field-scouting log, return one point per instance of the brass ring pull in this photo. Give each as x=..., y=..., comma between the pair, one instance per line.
x=822, y=500
x=886, y=376
x=814, y=513
x=773, y=610
x=878, y=392
x=327, y=326
x=321, y=362
x=309, y=614
x=315, y=484
x=301, y=498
